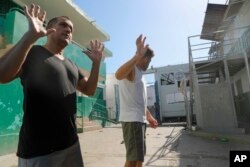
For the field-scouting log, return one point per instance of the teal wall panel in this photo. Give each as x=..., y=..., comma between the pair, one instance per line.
x=11, y=98
x=16, y=24
x=1, y=25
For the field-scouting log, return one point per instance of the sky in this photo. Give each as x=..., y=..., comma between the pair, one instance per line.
x=167, y=24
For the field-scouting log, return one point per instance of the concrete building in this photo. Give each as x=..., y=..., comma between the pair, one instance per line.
x=219, y=68
x=13, y=24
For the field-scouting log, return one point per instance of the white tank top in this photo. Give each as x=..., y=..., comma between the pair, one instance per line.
x=133, y=101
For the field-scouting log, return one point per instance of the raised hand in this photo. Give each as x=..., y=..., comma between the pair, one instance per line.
x=141, y=47
x=36, y=19
x=96, y=51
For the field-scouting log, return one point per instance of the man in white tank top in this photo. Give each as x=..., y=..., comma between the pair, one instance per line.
x=133, y=103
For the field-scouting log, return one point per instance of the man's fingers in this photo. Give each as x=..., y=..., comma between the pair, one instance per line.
x=143, y=41
x=138, y=39
x=26, y=11
x=99, y=44
x=87, y=52
x=31, y=10
x=146, y=48
x=96, y=44
x=40, y=16
x=102, y=47
x=91, y=44
x=37, y=11
x=43, y=15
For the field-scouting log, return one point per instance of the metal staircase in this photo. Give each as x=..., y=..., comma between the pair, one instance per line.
x=97, y=119
x=100, y=112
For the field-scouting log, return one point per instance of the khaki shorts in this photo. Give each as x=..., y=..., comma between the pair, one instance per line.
x=69, y=157
x=134, y=139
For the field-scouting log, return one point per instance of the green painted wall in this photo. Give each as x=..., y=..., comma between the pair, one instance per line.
x=16, y=25
x=11, y=98
x=86, y=104
x=1, y=25
x=1, y=31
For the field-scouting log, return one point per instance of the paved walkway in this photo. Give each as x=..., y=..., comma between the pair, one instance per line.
x=166, y=147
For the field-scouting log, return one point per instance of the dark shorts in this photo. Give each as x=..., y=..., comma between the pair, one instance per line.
x=70, y=157
x=134, y=139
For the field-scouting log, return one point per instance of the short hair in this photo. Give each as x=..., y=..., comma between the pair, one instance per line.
x=149, y=53
x=54, y=20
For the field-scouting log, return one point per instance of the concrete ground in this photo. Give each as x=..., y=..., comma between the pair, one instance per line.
x=166, y=147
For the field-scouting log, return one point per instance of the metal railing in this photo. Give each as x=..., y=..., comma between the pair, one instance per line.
x=100, y=112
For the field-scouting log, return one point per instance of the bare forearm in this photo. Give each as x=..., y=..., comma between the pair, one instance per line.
x=148, y=114
x=92, y=80
x=12, y=61
x=126, y=68
x=152, y=121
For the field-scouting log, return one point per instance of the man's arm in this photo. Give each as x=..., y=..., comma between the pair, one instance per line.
x=12, y=61
x=127, y=70
x=88, y=86
x=151, y=120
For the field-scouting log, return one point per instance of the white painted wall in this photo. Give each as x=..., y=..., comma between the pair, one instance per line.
x=241, y=20
x=110, y=94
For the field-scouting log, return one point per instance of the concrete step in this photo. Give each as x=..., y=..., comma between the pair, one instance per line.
x=86, y=125
x=91, y=128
